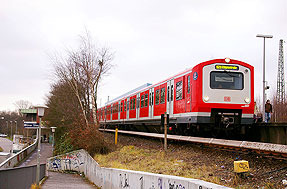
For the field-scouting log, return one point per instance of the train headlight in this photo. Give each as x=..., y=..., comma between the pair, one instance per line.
x=247, y=100
x=227, y=60
x=206, y=98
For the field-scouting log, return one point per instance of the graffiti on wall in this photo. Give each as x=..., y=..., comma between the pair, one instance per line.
x=124, y=181
x=71, y=161
x=159, y=183
x=174, y=185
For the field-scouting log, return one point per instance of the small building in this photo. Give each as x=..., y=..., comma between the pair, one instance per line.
x=30, y=115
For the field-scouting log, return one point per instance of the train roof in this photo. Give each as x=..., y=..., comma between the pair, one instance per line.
x=129, y=93
x=148, y=85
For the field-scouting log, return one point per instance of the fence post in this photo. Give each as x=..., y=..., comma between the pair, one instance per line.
x=116, y=136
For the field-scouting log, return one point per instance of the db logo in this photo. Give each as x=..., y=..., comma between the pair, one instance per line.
x=227, y=99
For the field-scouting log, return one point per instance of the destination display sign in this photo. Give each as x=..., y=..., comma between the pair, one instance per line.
x=31, y=124
x=226, y=67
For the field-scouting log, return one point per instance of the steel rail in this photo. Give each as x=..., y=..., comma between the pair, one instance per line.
x=258, y=147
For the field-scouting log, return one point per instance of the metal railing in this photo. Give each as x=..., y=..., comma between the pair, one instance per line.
x=18, y=157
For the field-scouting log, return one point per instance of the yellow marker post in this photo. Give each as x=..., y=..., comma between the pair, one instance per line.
x=241, y=166
x=116, y=136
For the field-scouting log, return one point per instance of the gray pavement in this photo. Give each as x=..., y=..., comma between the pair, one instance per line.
x=62, y=180
x=46, y=152
x=6, y=145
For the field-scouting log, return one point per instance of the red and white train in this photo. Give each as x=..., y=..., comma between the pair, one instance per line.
x=216, y=94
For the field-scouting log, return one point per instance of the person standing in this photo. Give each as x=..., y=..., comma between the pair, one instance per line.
x=268, y=111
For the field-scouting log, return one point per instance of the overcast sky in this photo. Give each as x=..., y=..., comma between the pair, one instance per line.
x=151, y=39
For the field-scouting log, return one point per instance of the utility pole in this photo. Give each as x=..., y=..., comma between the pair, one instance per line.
x=280, y=95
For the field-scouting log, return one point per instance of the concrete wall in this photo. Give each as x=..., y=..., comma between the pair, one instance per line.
x=20, y=177
x=110, y=178
x=275, y=133
x=18, y=157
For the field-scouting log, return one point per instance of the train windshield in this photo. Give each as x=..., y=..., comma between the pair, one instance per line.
x=226, y=80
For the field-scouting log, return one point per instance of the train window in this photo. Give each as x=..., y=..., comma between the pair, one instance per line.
x=125, y=106
x=178, y=90
x=134, y=103
x=152, y=99
x=157, y=97
x=146, y=100
x=162, y=95
x=142, y=101
x=226, y=80
x=188, y=84
x=171, y=93
x=128, y=105
x=168, y=93
x=122, y=106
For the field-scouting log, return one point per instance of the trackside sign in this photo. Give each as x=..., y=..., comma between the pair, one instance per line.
x=31, y=124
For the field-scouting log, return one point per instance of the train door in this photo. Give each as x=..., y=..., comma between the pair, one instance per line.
x=187, y=94
x=169, y=97
x=125, y=109
x=119, y=110
x=151, y=91
x=138, y=106
x=128, y=108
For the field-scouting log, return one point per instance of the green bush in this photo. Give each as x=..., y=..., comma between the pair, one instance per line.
x=64, y=145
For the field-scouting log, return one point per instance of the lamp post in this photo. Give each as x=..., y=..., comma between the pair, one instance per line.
x=7, y=128
x=11, y=130
x=53, y=131
x=264, y=88
x=16, y=127
x=40, y=113
x=2, y=118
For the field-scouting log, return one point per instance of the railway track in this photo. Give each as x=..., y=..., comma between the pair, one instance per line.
x=275, y=150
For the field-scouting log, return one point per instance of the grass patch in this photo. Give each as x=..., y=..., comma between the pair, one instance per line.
x=1, y=149
x=156, y=161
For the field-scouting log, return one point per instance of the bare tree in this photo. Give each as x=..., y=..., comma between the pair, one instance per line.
x=22, y=104
x=83, y=69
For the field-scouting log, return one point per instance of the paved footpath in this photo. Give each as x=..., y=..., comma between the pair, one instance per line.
x=55, y=179
x=46, y=152
x=61, y=180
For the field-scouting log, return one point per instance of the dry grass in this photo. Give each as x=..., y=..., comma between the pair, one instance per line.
x=1, y=149
x=193, y=161
x=156, y=161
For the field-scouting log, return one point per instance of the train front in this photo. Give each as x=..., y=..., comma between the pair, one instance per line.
x=227, y=92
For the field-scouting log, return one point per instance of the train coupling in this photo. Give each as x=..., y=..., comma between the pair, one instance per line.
x=227, y=118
